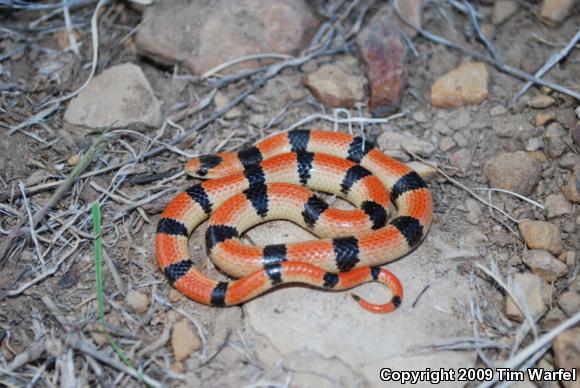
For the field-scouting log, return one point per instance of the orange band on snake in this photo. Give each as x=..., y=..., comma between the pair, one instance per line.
x=266, y=182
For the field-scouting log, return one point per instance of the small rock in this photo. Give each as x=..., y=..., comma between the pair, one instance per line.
x=535, y=143
x=465, y=85
x=543, y=264
x=424, y=170
x=192, y=32
x=511, y=126
x=557, y=205
x=533, y=289
x=570, y=302
x=461, y=139
x=442, y=127
x=384, y=52
x=517, y=171
x=503, y=10
x=539, y=156
x=120, y=96
x=556, y=10
x=335, y=86
x=473, y=208
x=553, y=318
x=420, y=117
x=543, y=118
x=577, y=111
x=541, y=235
x=570, y=258
x=392, y=143
x=137, y=301
x=220, y=100
x=184, y=340
x=566, y=349
x=460, y=120
x=446, y=143
x=568, y=161
x=541, y=101
x=498, y=110
x=554, y=134
x=461, y=158
x=73, y=160
x=571, y=189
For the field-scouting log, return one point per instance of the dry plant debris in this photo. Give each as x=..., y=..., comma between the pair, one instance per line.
x=103, y=101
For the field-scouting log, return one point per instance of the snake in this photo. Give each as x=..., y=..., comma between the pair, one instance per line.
x=275, y=179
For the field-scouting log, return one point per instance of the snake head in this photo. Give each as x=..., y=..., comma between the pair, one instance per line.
x=212, y=165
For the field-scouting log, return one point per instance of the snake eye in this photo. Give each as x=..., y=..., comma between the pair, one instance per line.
x=202, y=171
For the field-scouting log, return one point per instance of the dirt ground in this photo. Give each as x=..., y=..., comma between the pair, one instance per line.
x=50, y=330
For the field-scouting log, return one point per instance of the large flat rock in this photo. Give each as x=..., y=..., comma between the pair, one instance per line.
x=295, y=319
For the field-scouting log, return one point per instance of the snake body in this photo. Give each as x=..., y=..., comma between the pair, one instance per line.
x=266, y=182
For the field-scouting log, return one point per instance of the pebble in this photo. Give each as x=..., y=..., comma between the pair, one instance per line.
x=533, y=289
x=383, y=50
x=566, y=349
x=498, y=110
x=473, y=208
x=137, y=301
x=518, y=172
x=544, y=264
x=557, y=205
x=541, y=235
x=577, y=111
x=556, y=10
x=73, y=160
x=420, y=117
x=221, y=100
x=446, y=143
x=465, y=85
x=571, y=189
x=554, y=134
x=543, y=118
x=511, y=126
x=461, y=158
x=442, y=127
x=192, y=32
x=335, y=86
x=541, y=101
x=459, y=119
x=568, y=161
x=184, y=340
x=553, y=318
x=392, y=143
x=120, y=96
x=461, y=139
x=570, y=258
x=570, y=302
x=503, y=10
x=535, y=143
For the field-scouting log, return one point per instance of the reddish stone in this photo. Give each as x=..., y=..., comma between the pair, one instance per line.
x=384, y=53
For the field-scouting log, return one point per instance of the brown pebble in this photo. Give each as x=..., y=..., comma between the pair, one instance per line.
x=541, y=235
x=73, y=160
x=184, y=340
x=465, y=85
x=137, y=301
